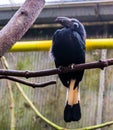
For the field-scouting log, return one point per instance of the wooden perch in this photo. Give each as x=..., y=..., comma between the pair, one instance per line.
x=33, y=85
x=19, y=24
x=74, y=67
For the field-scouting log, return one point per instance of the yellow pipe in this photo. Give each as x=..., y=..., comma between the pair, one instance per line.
x=106, y=43
x=31, y=46
x=46, y=44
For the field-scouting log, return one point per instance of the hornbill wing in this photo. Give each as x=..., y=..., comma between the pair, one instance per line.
x=73, y=96
x=73, y=51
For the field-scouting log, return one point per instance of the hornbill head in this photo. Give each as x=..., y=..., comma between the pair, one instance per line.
x=72, y=23
x=66, y=22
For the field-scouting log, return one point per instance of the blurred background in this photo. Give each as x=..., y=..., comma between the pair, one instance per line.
x=96, y=86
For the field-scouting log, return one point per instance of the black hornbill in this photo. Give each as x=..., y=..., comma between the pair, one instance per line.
x=68, y=48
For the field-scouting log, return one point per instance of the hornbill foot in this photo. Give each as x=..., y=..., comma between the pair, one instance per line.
x=68, y=113
x=76, y=112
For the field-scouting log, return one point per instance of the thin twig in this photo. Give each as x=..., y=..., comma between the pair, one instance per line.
x=57, y=127
x=71, y=68
x=33, y=85
x=34, y=108
x=95, y=127
x=12, y=104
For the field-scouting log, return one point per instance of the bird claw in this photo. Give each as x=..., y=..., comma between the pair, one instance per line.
x=61, y=68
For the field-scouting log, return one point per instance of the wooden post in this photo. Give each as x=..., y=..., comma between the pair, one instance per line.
x=101, y=91
x=101, y=84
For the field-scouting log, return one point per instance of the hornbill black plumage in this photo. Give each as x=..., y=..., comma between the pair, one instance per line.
x=68, y=48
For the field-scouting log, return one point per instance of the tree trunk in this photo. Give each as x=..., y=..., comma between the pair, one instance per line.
x=19, y=24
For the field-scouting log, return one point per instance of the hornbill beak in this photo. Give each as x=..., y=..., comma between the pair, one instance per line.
x=64, y=21
x=61, y=19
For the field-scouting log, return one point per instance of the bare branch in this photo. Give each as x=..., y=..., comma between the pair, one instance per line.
x=71, y=68
x=33, y=85
x=19, y=24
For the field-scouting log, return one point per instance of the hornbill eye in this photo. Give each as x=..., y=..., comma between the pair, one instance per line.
x=76, y=25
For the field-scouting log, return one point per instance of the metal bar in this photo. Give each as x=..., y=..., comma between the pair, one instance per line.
x=46, y=44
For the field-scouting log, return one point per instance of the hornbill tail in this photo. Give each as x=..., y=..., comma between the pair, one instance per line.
x=72, y=111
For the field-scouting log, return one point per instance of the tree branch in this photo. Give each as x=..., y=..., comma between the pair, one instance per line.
x=53, y=124
x=74, y=67
x=11, y=96
x=33, y=85
x=95, y=127
x=19, y=24
x=4, y=61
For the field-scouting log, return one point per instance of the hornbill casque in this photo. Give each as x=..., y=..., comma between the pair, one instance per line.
x=68, y=47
